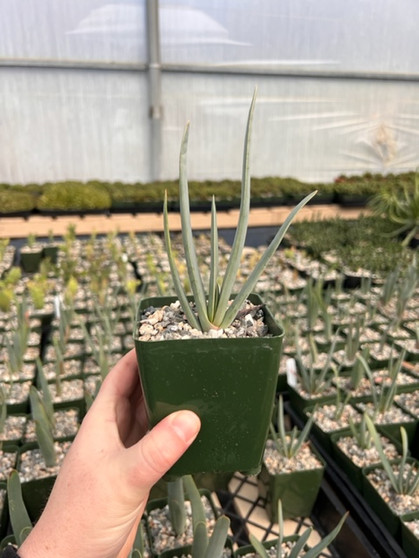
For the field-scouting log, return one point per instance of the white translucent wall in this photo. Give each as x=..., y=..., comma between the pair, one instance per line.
x=337, y=85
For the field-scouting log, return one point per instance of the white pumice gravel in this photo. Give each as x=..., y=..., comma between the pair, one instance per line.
x=393, y=415
x=413, y=525
x=14, y=428
x=66, y=425
x=32, y=465
x=325, y=417
x=276, y=463
x=7, y=463
x=363, y=457
x=399, y=503
x=169, y=322
x=162, y=535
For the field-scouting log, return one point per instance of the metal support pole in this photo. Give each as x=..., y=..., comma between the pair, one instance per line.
x=154, y=71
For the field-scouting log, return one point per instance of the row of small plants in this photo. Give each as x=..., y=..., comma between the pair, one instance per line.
x=73, y=196
x=65, y=324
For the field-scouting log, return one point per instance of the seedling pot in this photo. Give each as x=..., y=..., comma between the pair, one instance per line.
x=4, y=513
x=297, y=490
x=30, y=261
x=391, y=520
x=229, y=383
x=410, y=543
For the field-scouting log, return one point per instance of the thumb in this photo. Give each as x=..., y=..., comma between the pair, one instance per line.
x=160, y=448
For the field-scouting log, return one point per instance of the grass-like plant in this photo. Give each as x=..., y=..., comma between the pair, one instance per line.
x=401, y=207
x=383, y=397
x=406, y=481
x=43, y=427
x=360, y=433
x=315, y=381
x=19, y=517
x=300, y=545
x=204, y=546
x=289, y=444
x=214, y=310
x=176, y=504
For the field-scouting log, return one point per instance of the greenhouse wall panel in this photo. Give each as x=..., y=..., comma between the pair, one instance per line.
x=60, y=124
x=91, y=89
x=313, y=129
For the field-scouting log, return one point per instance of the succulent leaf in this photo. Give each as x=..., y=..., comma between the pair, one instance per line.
x=19, y=518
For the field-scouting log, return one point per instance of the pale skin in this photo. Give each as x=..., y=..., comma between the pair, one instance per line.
x=103, y=485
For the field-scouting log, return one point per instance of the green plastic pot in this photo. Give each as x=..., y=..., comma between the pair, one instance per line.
x=4, y=513
x=410, y=543
x=297, y=490
x=160, y=503
x=30, y=261
x=300, y=403
x=229, y=383
x=352, y=471
x=51, y=252
x=391, y=520
x=250, y=549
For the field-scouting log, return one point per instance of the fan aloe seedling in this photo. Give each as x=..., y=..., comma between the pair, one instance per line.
x=288, y=445
x=406, y=481
x=19, y=517
x=204, y=546
x=300, y=545
x=215, y=310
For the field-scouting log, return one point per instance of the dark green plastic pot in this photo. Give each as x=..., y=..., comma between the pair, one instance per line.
x=229, y=383
x=250, y=549
x=351, y=470
x=410, y=543
x=51, y=252
x=30, y=261
x=4, y=513
x=388, y=516
x=297, y=490
x=160, y=503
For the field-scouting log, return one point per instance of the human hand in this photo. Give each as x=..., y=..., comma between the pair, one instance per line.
x=103, y=485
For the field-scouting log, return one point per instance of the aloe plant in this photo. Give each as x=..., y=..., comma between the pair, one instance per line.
x=204, y=546
x=43, y=427
x=383, y=397
x=406, y=481
x=288, y=445
x=361, y=433
x=300, y=546
x=176, y=503
x=401, y=208
x=217, y=311
x=312, y=380
x=19, y=517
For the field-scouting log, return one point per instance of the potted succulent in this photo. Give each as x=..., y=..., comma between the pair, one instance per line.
x=291, y=472
x=227, y=377
x=392, y=487
x=31, y=255
x=185, y=523
x=292, y=546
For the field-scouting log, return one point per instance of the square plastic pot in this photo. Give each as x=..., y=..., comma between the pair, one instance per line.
x=410, y=543
x=391, y=520
x=297, y=490
x=229, y=383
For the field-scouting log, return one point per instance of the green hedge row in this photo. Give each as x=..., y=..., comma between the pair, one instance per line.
x=107, y=196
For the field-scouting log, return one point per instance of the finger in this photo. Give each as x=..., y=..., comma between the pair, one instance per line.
x=154, y=454
x=123, y=379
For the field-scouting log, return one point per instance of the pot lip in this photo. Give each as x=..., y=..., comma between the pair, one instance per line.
x=254, y=297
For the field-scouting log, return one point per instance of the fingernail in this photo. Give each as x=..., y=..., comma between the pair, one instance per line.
x=186, y=424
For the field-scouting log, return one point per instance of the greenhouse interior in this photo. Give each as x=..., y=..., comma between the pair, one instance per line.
x=209, y=296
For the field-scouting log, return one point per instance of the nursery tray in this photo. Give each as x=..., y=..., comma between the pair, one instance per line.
x=339, y=494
